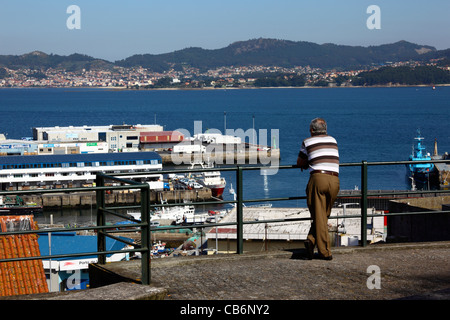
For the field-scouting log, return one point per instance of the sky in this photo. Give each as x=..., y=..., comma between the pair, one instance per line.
x=114, y=30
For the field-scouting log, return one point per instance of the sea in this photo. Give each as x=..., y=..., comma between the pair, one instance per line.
x=370, y=124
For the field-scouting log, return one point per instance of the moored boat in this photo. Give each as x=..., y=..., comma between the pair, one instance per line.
x=420, y=173
x=18, y=207
x=211, y=179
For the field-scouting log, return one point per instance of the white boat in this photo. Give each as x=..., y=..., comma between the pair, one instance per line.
x=195, y=218
x=211, y=179
x=173, y=215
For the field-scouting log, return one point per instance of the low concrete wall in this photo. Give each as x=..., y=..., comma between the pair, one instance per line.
x=87, y=199
x=432, y=226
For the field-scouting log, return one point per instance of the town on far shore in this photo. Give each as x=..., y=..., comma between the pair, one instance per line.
x=118, y=77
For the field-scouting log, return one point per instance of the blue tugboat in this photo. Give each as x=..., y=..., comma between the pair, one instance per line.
x=420, y=173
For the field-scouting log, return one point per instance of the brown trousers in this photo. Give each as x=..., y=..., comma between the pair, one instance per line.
x=321, y=192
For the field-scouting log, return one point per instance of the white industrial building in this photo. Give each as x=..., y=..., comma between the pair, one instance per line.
x=120, y=138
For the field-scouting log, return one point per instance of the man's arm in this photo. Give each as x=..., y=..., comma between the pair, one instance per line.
x=302, y=161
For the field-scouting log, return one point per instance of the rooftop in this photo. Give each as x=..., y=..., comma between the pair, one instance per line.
x=20, y=277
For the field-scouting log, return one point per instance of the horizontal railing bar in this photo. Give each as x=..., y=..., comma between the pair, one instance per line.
x=387, y=163
x=173, y=171
x=73, y=190
x=54, y=230
x=121, y=240
x=192, y=203
x=258, y=167
x=130, y=182
x=408, y=192
x=117, y=214
x=192, y=226
x=274, y=199
x=210, y=225
x=123, y=207
x=81, y=254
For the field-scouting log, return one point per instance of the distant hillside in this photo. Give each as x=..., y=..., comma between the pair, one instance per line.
x=421, y=75
x=272, y=52
x=263, y=52
x=41, y=60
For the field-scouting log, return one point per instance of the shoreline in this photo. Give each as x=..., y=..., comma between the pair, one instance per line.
x=232, y=88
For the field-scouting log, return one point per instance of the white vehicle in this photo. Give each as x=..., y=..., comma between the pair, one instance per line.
x=191, y=183
x=217, y=138
x=189, y=148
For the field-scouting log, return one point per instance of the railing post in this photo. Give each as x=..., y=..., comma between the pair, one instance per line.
x=101, y=239
x=239, y=212
x=364, y=203
x=145, y=236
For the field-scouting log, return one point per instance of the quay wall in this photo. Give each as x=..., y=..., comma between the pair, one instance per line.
x=87, y=199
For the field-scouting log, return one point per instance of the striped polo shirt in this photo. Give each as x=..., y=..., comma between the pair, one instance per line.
x=322, y=153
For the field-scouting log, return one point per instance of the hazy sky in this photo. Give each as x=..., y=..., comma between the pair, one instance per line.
x=114, y=30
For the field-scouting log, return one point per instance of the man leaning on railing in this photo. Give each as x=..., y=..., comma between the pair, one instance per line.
x=319, y=153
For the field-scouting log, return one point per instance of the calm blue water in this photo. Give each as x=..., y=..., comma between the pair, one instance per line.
x=373, y=124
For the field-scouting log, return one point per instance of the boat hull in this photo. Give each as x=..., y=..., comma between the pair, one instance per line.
x=217, y=192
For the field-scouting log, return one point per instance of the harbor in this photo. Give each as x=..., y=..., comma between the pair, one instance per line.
x=67, y=157
x=182, y=151
x=141, y=152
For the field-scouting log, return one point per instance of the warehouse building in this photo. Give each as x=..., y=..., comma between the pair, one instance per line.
x=161, y=140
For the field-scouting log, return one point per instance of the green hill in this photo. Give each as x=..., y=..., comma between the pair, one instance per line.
x=256, y=52
x=41, y=60
x=283, y=53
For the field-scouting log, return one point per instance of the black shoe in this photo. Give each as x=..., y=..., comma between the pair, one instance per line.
x=324, y=258
x=309, y=250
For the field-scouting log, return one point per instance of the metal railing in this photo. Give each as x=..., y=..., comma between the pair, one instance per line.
x=145, y=208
